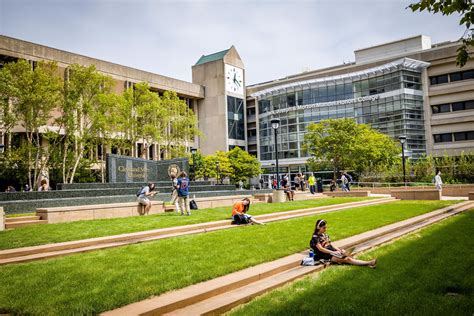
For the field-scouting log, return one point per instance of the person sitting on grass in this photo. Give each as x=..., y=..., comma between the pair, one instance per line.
x=325, y=251
x=239, y=213
x=146, y=192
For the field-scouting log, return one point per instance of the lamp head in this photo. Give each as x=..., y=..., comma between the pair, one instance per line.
x=275, y=123
x=193, y=150
x=402, y=139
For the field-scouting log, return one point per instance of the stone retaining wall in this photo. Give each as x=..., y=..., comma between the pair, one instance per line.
x=80, y=186
x=448, y=189
x=416, y=194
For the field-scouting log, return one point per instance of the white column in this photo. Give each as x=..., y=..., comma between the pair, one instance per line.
x=2, y=219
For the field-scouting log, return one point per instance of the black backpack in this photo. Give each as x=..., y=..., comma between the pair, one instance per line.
x=193, y=205
x=139, y=192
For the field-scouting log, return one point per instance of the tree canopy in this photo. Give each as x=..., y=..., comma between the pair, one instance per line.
x=344, y=144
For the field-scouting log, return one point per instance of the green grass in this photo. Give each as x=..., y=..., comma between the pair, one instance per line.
x=53, y=233
x=430, y=272
x=97, y=281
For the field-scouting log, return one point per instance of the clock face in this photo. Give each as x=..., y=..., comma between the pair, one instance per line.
x=234, y=79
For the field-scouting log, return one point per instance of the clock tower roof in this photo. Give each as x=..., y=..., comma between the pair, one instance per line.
x=230, y=56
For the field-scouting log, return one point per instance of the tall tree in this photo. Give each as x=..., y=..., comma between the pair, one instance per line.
x=465, y=9
x=80, y=114
x=344, y=144
x=33, y=90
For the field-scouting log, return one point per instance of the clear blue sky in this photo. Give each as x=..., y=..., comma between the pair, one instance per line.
x=274, y=38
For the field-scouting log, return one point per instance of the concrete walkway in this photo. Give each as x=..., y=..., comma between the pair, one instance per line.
x=26, y=254
x=223, y=293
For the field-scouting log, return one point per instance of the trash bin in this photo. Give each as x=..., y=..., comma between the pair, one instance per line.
x=320, y=185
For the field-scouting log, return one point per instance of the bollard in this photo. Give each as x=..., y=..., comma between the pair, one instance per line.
x=2, y=219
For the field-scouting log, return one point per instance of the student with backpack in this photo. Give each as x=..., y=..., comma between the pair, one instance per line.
x=183, y=193
x=143, y=195
x=348, y=181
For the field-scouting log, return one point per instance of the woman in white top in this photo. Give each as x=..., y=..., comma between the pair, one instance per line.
x=438, y=181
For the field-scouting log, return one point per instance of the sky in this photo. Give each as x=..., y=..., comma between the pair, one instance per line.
x=274, y=38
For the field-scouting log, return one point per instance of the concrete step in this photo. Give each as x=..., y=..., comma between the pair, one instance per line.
x=65, y=248
x=10, y=225
x=22, y=218
x=223, y=293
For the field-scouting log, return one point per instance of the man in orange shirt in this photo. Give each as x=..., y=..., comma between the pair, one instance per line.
x=239, y=213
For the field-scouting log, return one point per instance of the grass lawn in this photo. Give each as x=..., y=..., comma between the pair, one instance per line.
x=19, y=215
x=426, y=273
x=52, y=233
x=97, y=281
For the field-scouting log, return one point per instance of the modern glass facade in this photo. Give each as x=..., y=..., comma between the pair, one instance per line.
x=235, y=118
x=389, y=99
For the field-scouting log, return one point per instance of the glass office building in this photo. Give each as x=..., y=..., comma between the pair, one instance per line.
x=389, y=98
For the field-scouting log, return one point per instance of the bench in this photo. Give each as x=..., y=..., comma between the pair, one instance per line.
x=98, y=211
x=358, y=193
x=426, y=194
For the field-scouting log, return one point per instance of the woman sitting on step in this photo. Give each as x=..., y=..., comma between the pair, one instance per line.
x=325, y=251
x=239, y=213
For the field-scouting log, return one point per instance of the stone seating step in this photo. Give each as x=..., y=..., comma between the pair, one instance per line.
x=65, y=248
x=10, y=225
x=22, y=218
x=223, y=293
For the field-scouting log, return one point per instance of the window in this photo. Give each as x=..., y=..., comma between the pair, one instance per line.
x=469, y=105
x=469, y=74
x=460, y=136
x=439, y=79
x=235, y=118
x=458, y=106
x=443, y=138
x=441, y=108
x=455, y=76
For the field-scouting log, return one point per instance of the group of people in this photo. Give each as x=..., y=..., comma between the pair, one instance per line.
x=44, y=186
x=179, y=194
x=324, y=251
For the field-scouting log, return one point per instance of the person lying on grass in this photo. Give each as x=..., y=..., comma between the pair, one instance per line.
x=324, y=250
x=239, y=213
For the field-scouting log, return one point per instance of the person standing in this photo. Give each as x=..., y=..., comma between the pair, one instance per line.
x=302, y=182
x=438, y=182
x=312, y=183
x=174, y=193
x=183, y=193
x=349, y=180
x=344, y=182
x=143, y=197
x=297, y=181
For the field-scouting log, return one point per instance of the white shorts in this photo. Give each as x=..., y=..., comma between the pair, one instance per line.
x=143, y=200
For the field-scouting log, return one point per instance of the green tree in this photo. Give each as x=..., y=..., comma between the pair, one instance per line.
x=30, y=91
x=465, y=9
x=82, y=115
x=243, y=165
x=344, y=144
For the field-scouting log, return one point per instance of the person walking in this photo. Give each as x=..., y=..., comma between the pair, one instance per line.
x=302, y=182
x=349, y=180
x=183, y=193
x=312, y=183
x=438, y=182
x=297, y=181
x=143, y=197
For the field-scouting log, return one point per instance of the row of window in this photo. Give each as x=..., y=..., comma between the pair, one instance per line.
x=453, y=107
x=458, y=136
x=452, y=77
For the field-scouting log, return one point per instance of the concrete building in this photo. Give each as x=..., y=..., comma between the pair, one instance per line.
x=216, y=95
x=407, y=87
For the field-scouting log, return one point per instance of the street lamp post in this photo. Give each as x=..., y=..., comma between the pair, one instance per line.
x=275, y=125
x=193, y=153
x=217, y=169
x=403, y=139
